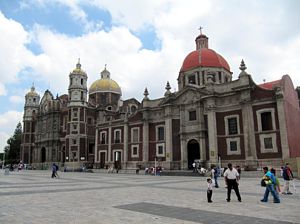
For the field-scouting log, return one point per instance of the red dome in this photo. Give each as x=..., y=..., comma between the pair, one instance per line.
x=208, y=58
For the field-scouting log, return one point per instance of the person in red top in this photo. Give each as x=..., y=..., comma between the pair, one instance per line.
x=287, y=175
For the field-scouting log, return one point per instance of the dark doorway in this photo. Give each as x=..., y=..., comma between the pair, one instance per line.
x=43, y=152
x=102, y=159
x=193, y=149
x=64, y=154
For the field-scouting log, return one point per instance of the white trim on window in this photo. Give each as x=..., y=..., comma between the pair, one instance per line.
x=156, y=130
x=262, y=143
x=258, y=116
x=226, y=118
x=138, y=135
x=158, y=145
x=137, y=151
x=115, y=135
x=118, y=151
x=105, y=137
x=99, y=155
x=238, y=151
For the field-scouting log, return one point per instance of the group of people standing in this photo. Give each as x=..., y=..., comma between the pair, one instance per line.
x=269, y=181
x=231, y=176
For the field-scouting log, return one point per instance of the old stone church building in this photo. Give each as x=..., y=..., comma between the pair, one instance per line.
x=211, y=118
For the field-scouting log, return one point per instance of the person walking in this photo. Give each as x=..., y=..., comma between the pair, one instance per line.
x=277, y=183
x=53, y=170
x=270, y=181
x=231, y=179
x=287, y=175
x=209, y=190
x=214, y=175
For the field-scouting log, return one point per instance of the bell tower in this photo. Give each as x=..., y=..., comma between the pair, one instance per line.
x=32, y=100
x=76, y=138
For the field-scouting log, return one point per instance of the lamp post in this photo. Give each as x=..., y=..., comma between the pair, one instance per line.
x=155, y=158
x=3, y=160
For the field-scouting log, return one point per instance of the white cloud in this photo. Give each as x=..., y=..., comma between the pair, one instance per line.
x=2, y=90
x=8, y=124
x=16, y=99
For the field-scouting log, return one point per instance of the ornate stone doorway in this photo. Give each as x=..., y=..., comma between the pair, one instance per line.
x=193, y=150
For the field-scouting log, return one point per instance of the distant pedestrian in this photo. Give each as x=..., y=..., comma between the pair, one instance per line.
x=288, y=176
x=194, y=167
x=269, y=181
x=238, y=168
x=53, y=170
x=215, y=175
x=209, y=190
x=231, y=178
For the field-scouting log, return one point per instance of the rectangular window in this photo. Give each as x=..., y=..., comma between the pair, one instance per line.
x=74, y=141
x=135, y=135
x=266, y=121
x=268, y=143
x=233, y=146
x=232, y=126
x=160, y=150
x=192, y=115
x=220, y=77
x=160, y=133
x=103, y=137
x=192, y=79
x=134, y=150
x=117, y=136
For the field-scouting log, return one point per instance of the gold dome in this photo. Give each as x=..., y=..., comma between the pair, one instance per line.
x=105, y=85
x=32, y=92
x=78, y=69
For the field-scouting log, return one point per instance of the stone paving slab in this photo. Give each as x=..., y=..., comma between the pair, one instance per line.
x=34, y=197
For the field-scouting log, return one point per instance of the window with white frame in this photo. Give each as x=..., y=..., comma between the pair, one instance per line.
x=117, y=136
x=232, y=125
x=160, y=133
x=135, y=135
x=268, y=143
x=233, y=146
x=160, y=149
x=134, y=151
x=266, y=119
x=103, y=137
x=117, y=155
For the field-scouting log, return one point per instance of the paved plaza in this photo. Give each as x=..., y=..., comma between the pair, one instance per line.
x=34, y=197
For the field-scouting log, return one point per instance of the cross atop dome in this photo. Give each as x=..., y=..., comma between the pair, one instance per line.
x=201, y=40
x=200, y=28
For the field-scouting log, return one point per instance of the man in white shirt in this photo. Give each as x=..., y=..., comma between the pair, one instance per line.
x=231, y=176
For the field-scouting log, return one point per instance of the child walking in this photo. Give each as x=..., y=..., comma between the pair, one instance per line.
x=209, y=190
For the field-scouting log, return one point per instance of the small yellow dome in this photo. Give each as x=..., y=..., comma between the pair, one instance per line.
x=105, y=84
x=32, y=92
x=78, y=69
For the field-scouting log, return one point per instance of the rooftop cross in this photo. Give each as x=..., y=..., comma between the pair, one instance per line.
x=200, y=28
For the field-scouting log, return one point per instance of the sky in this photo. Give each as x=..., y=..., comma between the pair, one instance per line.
x=142, y=42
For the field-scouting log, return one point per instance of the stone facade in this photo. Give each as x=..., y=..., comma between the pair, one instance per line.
x=211, y=118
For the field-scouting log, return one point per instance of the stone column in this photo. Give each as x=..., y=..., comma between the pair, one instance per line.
x=96, y=145
x=145, y=141
x=212, y=136
x=282, y=126
x=109, y=144
x=125, y=141
x=249, y=136
x=169, y=143
x=184, y=162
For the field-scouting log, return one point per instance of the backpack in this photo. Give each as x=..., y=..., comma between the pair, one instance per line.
x=56, y=167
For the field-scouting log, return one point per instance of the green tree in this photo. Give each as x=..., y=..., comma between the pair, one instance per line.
x=12, y=150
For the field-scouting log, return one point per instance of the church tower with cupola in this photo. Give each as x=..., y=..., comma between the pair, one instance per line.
x=203, y=66
x=76, y=136
x=32, y=100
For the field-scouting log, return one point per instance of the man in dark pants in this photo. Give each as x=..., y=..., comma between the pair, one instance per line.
x=231, y=176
